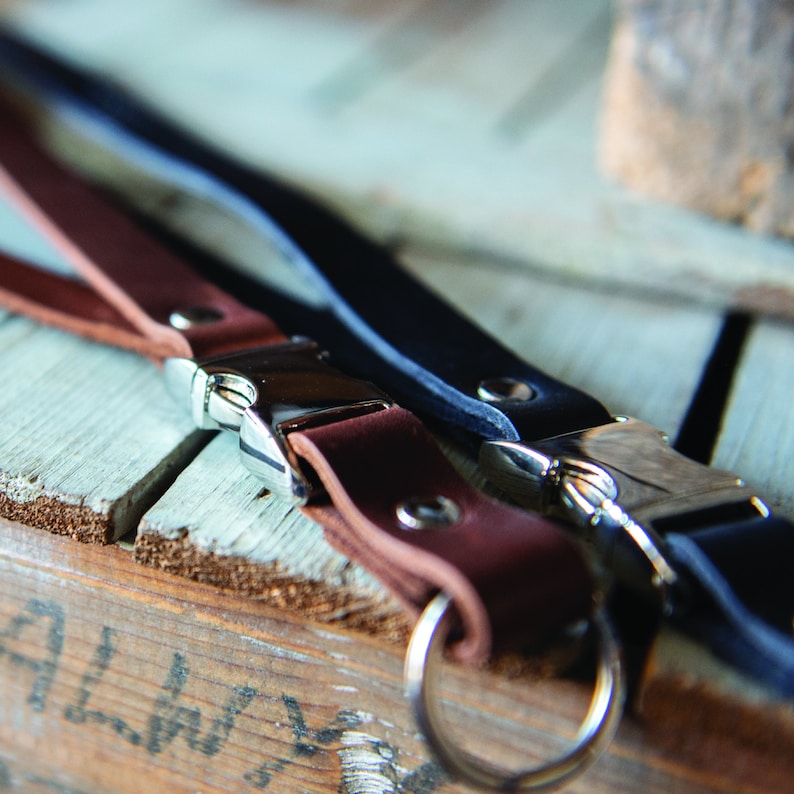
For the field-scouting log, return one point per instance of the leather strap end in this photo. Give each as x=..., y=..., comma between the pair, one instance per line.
x=514, y=577
x=40, y=294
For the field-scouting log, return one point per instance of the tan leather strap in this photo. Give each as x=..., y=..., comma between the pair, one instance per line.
x=513, y=575
x=72, y=306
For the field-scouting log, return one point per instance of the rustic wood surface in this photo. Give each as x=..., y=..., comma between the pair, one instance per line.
x=578, y=277
x=119, y=678
x=59, y=444
x=764, y=411
x=469, y=126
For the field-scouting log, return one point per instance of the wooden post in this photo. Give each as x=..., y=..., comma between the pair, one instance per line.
x=699, y=107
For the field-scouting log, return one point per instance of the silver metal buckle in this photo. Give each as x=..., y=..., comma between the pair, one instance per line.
x=264, y=394
x=620, y=481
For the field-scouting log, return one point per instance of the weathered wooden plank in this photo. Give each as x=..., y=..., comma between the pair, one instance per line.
x=410, y=168
x=216, y=525
x=400, y=48
x=303, y=41
x=88, y=435
x=149, y=678
x=459, y=83
x=114, y=677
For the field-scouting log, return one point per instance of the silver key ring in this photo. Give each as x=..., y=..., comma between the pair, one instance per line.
x=422, y=660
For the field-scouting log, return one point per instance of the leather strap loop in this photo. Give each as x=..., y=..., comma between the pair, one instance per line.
x=42, y=295
x=384, y=458
x=142, y=282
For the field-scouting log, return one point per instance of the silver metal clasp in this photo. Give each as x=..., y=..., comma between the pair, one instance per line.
x=625, y=487
x=266, y=393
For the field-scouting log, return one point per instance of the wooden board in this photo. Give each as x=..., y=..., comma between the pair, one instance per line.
x=762, y=408
x=175, y=686
x=262, y=547
x=89, y=435
x=469, y=126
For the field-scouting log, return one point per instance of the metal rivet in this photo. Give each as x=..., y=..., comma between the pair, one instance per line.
x=427, y=512
x=190, y=316
x=495, y=390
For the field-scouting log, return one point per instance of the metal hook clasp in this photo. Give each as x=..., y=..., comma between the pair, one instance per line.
x=264, y=394
x=620, y=482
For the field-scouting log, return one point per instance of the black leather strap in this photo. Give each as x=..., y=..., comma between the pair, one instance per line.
x=360, y=280
x=379, y=322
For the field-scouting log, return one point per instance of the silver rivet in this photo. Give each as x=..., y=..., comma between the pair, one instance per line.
x=190, y=316
x=496, y=390
x=427, y=512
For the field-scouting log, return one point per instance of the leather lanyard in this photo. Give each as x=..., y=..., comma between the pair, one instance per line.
x=706, y=555
x=693, y=540
x=364, y=468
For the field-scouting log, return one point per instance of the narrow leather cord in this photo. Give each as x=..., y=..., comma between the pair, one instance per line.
x=513, y=576
x=417, y=354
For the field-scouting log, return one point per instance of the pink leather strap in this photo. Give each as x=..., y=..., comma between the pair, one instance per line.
x=513, y=576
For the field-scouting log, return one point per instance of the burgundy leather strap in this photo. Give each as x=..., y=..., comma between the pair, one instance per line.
x=519, y=568
x=513, y=576
x=42, y=295
x=143, y=282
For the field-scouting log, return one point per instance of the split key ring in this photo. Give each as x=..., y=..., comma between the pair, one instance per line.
x=421, y=676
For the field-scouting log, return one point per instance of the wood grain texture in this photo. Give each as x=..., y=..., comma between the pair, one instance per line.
x=216, y=525
x=507, y=217
x=88, y=435
x=115, y=677
x=467, y=126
